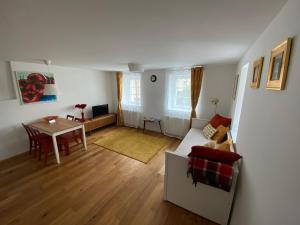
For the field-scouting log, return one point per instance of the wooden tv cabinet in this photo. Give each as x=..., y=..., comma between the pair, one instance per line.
x=101, y=121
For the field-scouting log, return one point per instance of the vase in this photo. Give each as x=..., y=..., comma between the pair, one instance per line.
x=82, y=117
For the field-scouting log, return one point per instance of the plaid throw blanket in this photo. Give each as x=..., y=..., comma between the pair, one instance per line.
x=212, y=173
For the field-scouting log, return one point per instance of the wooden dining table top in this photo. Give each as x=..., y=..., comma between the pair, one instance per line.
x=61, y=124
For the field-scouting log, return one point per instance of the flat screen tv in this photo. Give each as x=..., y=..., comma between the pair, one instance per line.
x=99, y=110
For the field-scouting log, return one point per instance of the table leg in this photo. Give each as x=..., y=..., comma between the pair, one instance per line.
x=160, y=127
x=144, y=126
x=84, y=137
x=55, y=149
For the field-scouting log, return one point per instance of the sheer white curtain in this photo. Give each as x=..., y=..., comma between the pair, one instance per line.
x=131, y=100
x=177, y=102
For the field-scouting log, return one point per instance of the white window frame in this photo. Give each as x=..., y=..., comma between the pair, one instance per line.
x=172, y=109
x=241, y=87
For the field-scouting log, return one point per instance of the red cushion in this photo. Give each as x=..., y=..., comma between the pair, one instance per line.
x=214, y=155
x=218, y=120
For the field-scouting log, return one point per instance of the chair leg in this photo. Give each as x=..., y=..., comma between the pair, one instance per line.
x=66, y=147
x=80, y=137
x=46, y=152
x=60, y=147
x=76, y=140
x=39, y=149
x=36, y=147
x=30, y=146
x=75, y=137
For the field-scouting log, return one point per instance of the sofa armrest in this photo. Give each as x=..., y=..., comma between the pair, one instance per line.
x=199, y=123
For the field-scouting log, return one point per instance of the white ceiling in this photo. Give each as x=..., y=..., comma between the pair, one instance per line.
x=107, y=34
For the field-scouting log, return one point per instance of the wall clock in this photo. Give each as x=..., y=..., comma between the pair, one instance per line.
x=153, y=78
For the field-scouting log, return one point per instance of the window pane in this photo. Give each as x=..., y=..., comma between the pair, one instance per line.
x=132, y=89
x=179, y=86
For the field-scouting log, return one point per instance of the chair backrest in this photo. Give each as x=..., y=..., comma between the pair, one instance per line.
x=28, y=130
x=32, y=133
x=35, y=132
x=70, y=117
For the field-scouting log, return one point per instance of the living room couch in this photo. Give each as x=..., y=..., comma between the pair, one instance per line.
x=210, y=202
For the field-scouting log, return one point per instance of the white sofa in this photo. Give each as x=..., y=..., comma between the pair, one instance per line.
x=206, y=201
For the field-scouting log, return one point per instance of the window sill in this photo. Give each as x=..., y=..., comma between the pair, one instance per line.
x=179, y=111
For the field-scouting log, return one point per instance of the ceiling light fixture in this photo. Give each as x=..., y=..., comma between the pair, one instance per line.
x=135, y=68
x=47, y=62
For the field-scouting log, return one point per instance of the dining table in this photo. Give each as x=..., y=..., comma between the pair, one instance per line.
x=59, y=127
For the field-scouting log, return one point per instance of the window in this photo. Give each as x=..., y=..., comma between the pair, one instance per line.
x=239, y=102
x=131, y=89
x=179, y=93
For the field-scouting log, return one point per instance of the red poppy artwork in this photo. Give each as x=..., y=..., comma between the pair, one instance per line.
x=36, y=87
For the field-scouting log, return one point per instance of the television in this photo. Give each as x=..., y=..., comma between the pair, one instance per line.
x=99, y=110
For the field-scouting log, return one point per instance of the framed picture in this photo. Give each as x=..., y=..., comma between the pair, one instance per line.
x=278, y=67
x=235, y=86
x=256, y=72
x=36, y=87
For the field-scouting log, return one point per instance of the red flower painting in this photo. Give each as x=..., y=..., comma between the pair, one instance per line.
x=32, y=86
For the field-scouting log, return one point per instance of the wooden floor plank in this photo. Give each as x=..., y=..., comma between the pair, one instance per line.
x=93, y=187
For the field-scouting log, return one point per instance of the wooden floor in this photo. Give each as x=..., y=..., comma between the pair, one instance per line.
x=97, y=186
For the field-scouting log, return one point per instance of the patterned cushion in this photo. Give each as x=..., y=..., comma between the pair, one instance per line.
x=218, y=120
x=225, y=146
x=214, y=155
x=220, y=134
x=210, y=144
x=209, y=131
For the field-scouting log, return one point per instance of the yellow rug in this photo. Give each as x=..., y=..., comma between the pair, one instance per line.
x=134, y=144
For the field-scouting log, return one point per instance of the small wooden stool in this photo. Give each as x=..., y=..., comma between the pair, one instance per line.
x=152, y=120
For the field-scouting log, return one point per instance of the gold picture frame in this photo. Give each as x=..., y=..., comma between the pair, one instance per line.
x=278, y=67
x=256, y=72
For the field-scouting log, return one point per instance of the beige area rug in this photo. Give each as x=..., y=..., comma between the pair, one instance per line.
x=134, y=144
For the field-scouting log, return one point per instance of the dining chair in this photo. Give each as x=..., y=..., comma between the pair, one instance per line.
x=78, y=132
x=43, y=143
x=70, y=117
x=32, y=142
x=73, y=135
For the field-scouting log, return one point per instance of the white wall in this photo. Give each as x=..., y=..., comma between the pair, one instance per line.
x=217, y=82
x=153, y=96
x=6, y=83
x=153, y=93
x=269, y=136
x=75, y=86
